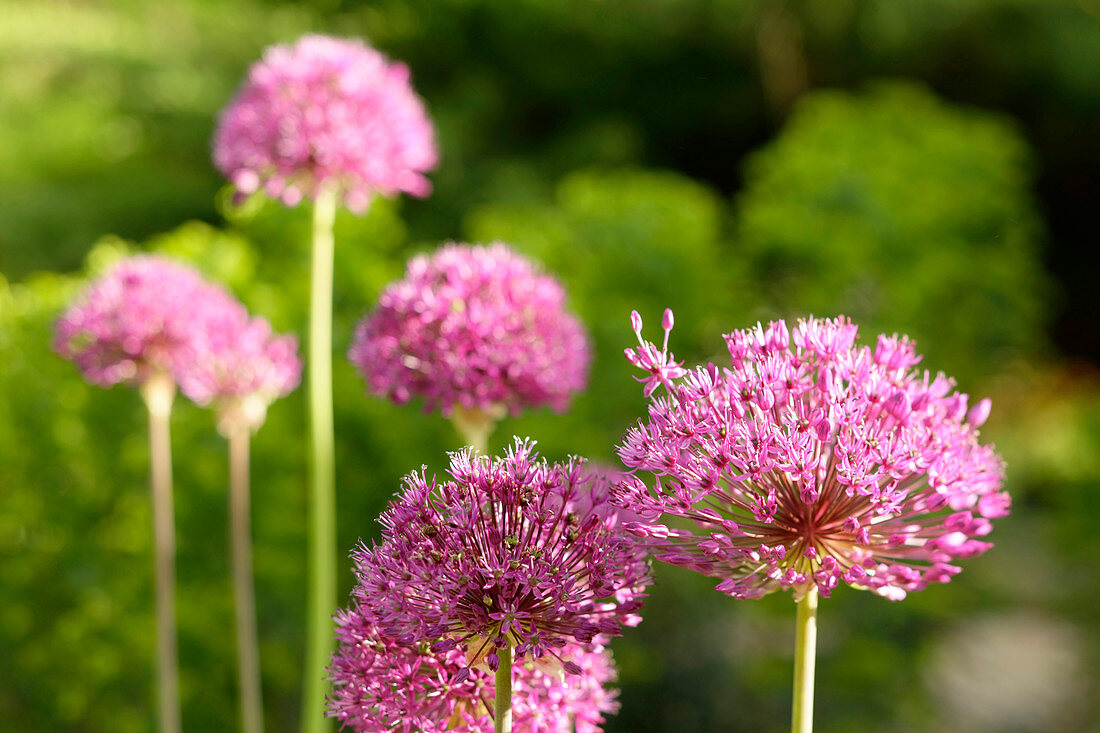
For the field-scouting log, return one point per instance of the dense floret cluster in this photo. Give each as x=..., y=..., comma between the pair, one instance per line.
x=383, y=685
x=242, y=361
x=476, y=328
x=507, y=552
x=810, y=461
x=326, y=113
x=147, y=315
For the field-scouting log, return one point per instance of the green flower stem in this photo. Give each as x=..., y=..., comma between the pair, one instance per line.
x=805, y=653
x=475, y=426
x=502, y=702
x=158, y=391
x=244, y=594
x=322, y=505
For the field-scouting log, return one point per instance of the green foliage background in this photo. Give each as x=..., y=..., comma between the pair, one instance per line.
x=633, y=148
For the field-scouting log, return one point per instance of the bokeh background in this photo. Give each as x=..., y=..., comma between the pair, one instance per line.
x=928, y=167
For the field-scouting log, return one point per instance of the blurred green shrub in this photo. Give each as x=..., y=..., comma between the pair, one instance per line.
x=906, y=214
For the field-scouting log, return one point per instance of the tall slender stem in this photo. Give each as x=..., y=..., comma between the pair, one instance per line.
x=322, y=505
x=805, y=654
x=159, y=391
x=502, y=702
x=244, y=594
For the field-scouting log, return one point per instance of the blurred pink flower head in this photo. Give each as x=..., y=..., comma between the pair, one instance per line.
x=326, y=112
x=510, y=551
x=808, y=461
x=380, y=684
x=477, y=327
x=241, y=363
x=147, y=315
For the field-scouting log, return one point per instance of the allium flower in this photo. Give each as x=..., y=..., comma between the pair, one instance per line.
x=473, y=327
x=145, y=316
x=509, y=551
x=810, y=460
x=242, y=364
x=383, y=685
x=326, y=112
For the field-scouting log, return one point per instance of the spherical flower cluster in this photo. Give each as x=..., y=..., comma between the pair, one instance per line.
x=809, y=461
x=326, y=113
x=473, y=327
x=146, y=316
x=242, y=367
x=510, y=551
x=380, y=684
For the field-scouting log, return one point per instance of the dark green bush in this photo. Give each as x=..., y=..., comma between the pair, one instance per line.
x=908, y=215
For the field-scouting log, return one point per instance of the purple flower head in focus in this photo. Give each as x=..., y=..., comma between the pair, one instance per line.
x=510, y=551
x=380, y=684
x=475, y=328
x=808, y=461
x=326, y=113
x=241, y=367
x=147, y=315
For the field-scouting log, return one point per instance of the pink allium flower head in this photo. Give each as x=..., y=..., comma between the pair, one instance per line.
x=473, y=327
x=326, y=112
x=242, y=365
x=146, y=315
x=383, y=685
x=810, y=460
x=508, y=551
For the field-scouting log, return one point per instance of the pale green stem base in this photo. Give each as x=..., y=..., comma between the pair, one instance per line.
x=322, y=504
x=502, y=702
x=159, y=391
x=244, y=594
x=805, y=654
x=475, y=426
